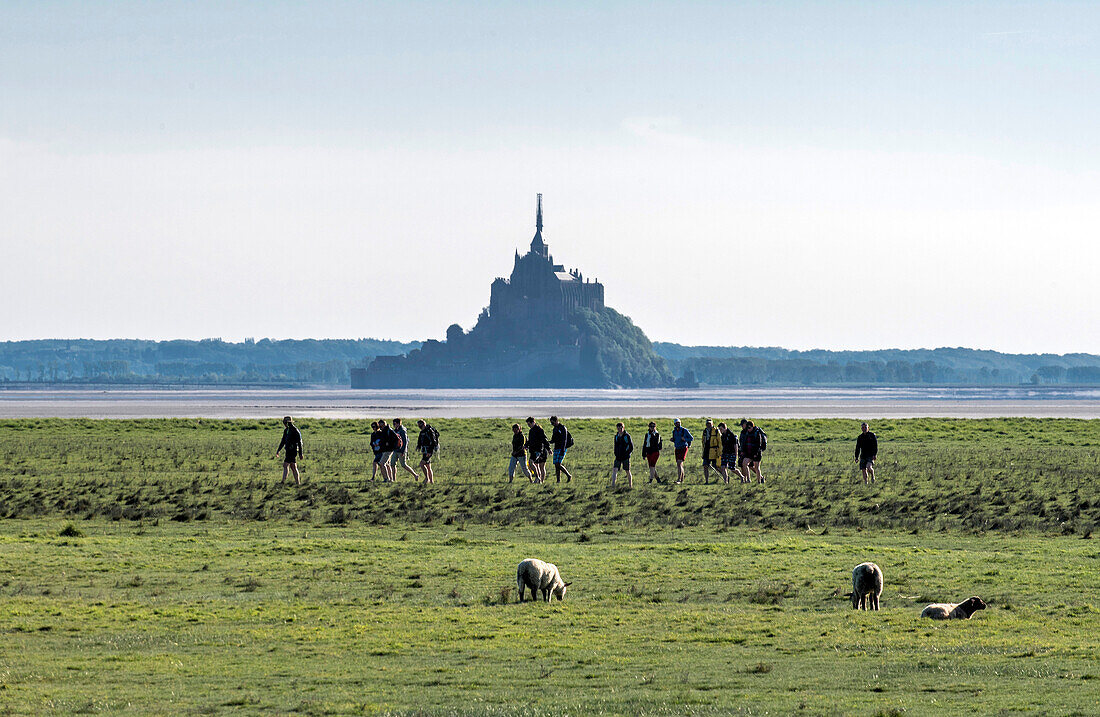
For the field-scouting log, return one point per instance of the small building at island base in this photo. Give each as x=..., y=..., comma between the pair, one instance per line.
x=545, y=326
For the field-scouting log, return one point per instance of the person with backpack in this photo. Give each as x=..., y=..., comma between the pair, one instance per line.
x=712, y=451
x=753, y=442
x=389, y=442
x=376, y=447
x=537, y=448
x=562, y=442
x=681, y=441
x=867, y=452
x=651, y=450
x=731, y=454
x=402, y=450
x=623, y=448
x=519, y=455
x=428, y=444
x=292, y=442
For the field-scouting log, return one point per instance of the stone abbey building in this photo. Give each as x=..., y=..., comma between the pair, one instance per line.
x=539, y=287
x=544, y=327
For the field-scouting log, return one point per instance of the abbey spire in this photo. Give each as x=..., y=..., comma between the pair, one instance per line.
x=538, y=246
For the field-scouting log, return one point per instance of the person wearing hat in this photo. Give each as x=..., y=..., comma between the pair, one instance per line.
x=292, y=441
x=681, y=441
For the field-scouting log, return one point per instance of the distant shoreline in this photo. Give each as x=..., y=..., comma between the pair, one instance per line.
x=221, y=402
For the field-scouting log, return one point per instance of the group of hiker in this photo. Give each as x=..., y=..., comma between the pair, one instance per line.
x=530, y=452
x=388, y=443
x=724, y=451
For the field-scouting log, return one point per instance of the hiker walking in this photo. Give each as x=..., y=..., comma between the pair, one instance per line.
x=623, y=448
x=402, y=450
x=428, y=444
x=562, y=442
x=292, y=442
x=519, y=455
x=712, y=451
x=731, y=454
x=537, y=447
x=388, y=445
x=753, y=443
x=651, y=450
x=681, y=441
x=866, y=452
x=376, y=447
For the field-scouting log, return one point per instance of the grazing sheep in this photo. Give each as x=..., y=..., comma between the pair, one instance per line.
x=538, y=575
x=954, y=611
x=866, y=586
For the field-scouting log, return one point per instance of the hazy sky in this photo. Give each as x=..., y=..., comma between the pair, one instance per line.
x=809, y=175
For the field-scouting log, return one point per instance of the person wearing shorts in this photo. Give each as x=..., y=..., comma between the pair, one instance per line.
x=388, y=447
x=651, y=450
x=427, y=443
x=559, y=439
x=623, y=447
x=402, y=451
x=712, y=451
x=292, y=441
x=751, y=450
x=731, y=458
x=867, y=452
x=519, y=455
x=681, y=441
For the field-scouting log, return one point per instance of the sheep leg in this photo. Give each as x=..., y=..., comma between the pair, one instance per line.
x=874, y=602
x=519, y=585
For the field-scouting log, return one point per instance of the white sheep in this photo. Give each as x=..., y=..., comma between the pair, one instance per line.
x=538, y=575
x=954, y=611
x=866, y=586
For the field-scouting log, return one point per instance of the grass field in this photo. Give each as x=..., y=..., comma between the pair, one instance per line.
x=158, y=567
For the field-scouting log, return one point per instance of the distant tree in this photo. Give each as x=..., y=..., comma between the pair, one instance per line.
x=1051, y=374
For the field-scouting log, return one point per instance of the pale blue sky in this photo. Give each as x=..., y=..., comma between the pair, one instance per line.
x=870, y=175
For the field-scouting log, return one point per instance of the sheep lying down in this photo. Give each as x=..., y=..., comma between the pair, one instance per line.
x=540, y=576
x=954, y=611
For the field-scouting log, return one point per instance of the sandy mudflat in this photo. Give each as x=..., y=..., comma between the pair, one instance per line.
x=889, y=402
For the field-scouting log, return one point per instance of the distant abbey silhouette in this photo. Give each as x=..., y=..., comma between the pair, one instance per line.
x=544, y=327
x=538, y=285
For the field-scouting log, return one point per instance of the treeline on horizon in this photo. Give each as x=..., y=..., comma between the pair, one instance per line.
x=329, y=361
x=745, y=365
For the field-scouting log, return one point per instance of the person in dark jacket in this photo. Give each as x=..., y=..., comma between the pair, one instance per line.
x=519, y=455
x=623, y=448
x=399, y=455
x=427, y=443
x=731, y=454
x=538, y=448
x=651, y=450
x=559, y=439
x=752, y=449
x=389, y=442
x=376, y=447
x=292, y=442
x=866, y=452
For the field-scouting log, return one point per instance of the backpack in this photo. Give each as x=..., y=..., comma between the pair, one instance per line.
x=435, y=437
x=763, y=439
x=568, y=439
